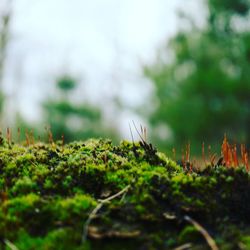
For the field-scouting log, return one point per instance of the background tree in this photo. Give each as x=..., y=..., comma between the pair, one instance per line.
x=74, y=122
x=204, y=91
x=5, y=18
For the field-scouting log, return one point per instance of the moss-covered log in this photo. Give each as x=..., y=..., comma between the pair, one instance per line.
x=52, y=195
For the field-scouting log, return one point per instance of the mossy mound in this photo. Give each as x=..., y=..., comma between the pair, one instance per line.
x=49, y=192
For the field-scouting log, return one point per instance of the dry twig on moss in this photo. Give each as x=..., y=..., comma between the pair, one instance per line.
x=10, y=245
x=203, y=231
x=97, y=208
x=184, y=247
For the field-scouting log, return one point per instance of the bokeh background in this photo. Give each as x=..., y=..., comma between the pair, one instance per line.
x=89, y=68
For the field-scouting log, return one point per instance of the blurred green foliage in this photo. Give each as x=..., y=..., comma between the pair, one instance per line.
x=70, y=120
x=2, y=98
x=66, y=83
x=204, y=90
x=5, y=20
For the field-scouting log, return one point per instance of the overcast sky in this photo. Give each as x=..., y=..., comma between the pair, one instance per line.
x=101, y=42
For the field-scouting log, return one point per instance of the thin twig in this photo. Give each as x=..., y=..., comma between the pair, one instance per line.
x=87, y=223
x=203, y=231
x=96, y=209
x=10, y=245
x=115, y=195
x=131, y=133
x=183, y=247
x=145, y=133
x=138, y=132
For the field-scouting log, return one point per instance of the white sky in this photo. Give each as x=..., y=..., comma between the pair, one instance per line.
x=102, y=42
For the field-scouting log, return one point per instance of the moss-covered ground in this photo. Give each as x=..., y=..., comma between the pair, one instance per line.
x=94, y=195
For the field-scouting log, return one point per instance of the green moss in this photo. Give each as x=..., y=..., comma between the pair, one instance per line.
x=20, y=204
x=24, y=185
x=189, y=234
x=70, y=208
x=245, y=242
x=60, y=239
x=48, y=191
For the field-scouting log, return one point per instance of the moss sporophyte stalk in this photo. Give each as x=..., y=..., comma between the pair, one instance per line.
x=96, y=195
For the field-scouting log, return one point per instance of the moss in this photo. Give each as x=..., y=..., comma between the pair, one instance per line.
x=60, y=239
x=189, y=234
x=49, y=190
x=245, y=242
x=74, y=208
x=24, y=185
